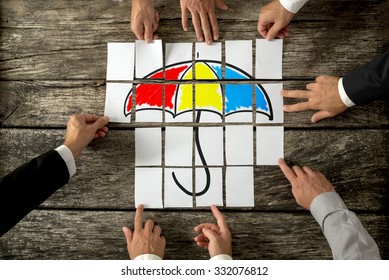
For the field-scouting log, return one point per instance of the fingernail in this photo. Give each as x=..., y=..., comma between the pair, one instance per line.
x=284, y=108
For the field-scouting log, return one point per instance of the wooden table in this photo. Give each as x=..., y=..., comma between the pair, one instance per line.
x=53, y=64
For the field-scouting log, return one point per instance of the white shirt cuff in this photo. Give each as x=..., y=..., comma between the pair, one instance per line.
x=68, y=158
x=343, y=95
x=149, y=257
x=324, y=205
x=223, y=257
x=293, y=6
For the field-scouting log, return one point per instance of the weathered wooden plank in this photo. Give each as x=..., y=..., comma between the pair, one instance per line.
x=356, y=161
x=97, y=235
x=52, y=44
x=49, y=103
x=22, y=12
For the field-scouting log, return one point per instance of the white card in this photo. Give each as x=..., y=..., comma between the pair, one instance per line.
x=148, y=187
x=270, y=144
x=178, y=146
x=120, y=61
x=148, y=147
x=115, y=99
x=277, y=102
x=149, y=103
x=214, y=193
x=208, y=52
x=178, y=61
x=268, y=60
x=238, y=103
x=174, y=196
x=208, y=61
x=240, y=186
x=148, y=58
x=239, y=54
x=210, y=141
x=239, y=145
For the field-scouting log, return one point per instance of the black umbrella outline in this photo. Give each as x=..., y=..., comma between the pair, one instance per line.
x=198, y=116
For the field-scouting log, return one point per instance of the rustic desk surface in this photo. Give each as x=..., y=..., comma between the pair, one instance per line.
x=53, y=63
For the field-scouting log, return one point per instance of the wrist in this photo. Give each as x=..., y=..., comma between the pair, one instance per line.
x=142, y=3
x=74, y=150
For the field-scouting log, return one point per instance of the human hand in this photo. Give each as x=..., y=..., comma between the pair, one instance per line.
x=144, y=20
x=147, y=240
x=306, y=183
x=215, y=237
x=273, y=21
x=203, y=17
x=81, y=129
x=323, y=96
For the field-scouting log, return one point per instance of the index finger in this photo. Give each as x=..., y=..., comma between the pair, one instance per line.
x=288, y=172
x=215, y=28
x=221, y=222
x=206, y=28
x=148, y=32
x=262, y=29
x=295, y=93
x=138, y=222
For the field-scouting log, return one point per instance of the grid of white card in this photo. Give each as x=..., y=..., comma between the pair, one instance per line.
x=156, y=175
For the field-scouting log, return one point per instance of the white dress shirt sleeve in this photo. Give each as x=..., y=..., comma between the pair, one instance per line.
x=153, y=257
x=343, y=95
x=293, y=6
x=68, y=158
x=147, y=257
x=344, y=232
x=220, y=257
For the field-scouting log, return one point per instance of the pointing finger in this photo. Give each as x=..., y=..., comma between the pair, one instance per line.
x=288, y=172
x=138, y=223
x=221, y=222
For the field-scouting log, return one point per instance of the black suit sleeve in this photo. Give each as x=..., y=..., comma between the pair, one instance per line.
x=28, y=186
x=368, y=82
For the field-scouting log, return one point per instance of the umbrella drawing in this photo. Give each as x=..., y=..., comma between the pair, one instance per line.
x=209, y=98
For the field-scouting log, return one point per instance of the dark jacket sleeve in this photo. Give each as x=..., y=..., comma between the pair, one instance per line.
x=368, y=82
x=28, y=186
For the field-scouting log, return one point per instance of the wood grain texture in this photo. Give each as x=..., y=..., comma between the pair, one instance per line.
x=40, y=40
x=50, y=103
x=53, y=64
x=47, y=234
x=105, y=176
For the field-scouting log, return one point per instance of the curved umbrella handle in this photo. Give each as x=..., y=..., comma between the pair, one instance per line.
x=204, y=162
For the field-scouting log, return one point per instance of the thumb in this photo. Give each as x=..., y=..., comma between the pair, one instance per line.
x=128, y=234
x=221, y=5
x=320, y=116
x=100, y=123
x=210, y=234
